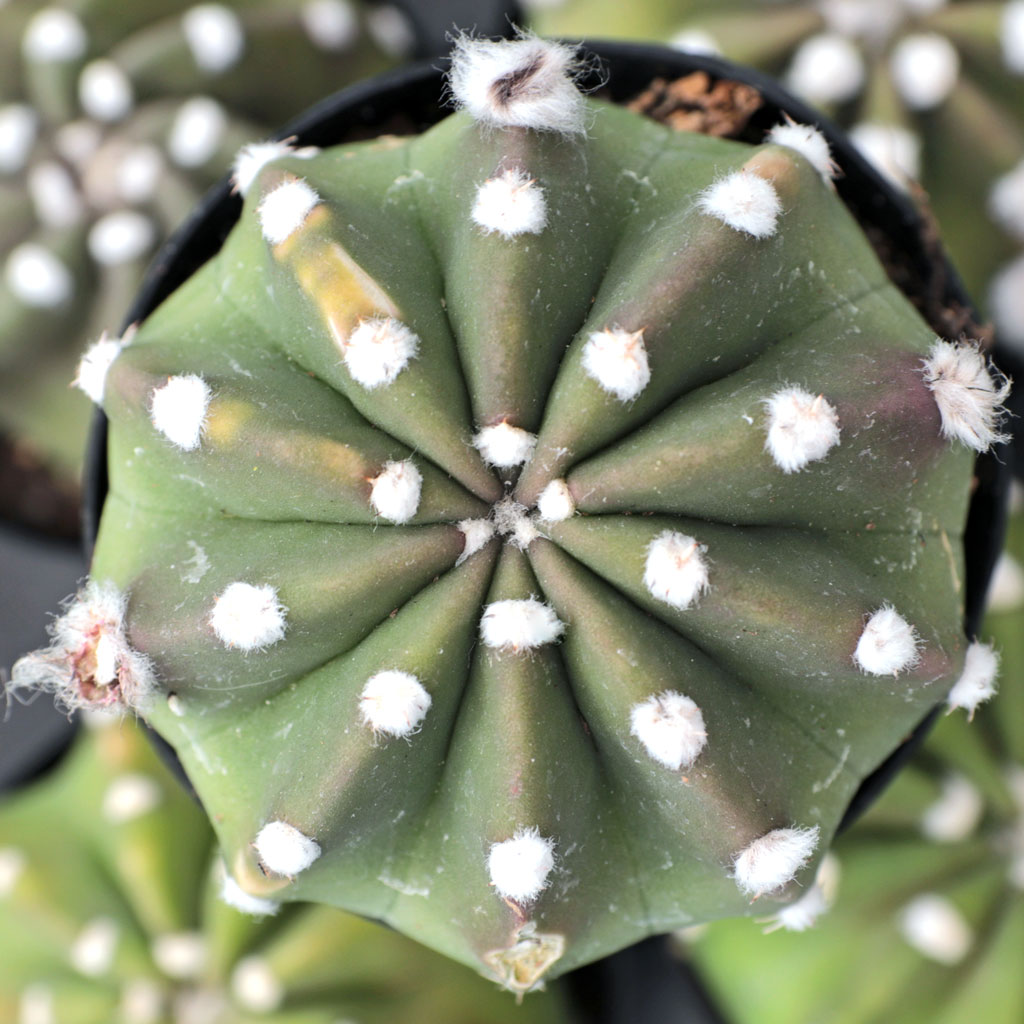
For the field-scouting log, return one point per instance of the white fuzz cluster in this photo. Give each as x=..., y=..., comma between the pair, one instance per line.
x=477, y=532
x=1006, y=301
x=12, y=866
x=1011, y=36
x=130, y=796
x=925, y=68
x=969, y=398
x=94, y=947
x=18, y=127
x=214, y=36
x=803, y=913
x=56, y=199
x=977, y=683
x=389, y=27
x=251, y=159
x=512, y=520
x=178, y=409
x=888, y=644
x=255, y=987
x=893, y=150
x=955, y=814
x=808, y=142
x=196, y=132
x=284, y=209
x=1006, y=589
x=138, y=175
x=378, y=350
x=248, y=617
x=330, y=24
x=54, y=34
x=802, y=428
x=180, y=955
x=676, y=571
x=504, y=446
x=555, y=502
x=696, y=40
x=826, y=69
x=395, y=493
x=933, y=926
x=104, y=91
x=511, y=204
x=671, y=728
x=121, y=237
x=284, y=850
x=37, y=277
x=519, y=867
x=617, y=360
x=526, y=82
x=519, y=625
x=234, y=895
x=89, y=660
x=771, y=861
x=95, y=365
x=394, y=702
x=1006, y=202
x=745, y=202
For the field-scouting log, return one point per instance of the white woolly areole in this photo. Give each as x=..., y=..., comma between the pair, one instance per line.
x=1006, y=589
x=130, y=796
x=95, y=365
x=284, y=850
x=555, y=502
x=977, y=682
x=121, y=237
x=284, y=209
x=56, y=199
x=255, y=987
x=235, y=896
x=330, y=24
x=12, y=865
x=54, y=34
x=970, y=400
x=1006, y=202
x=104, y=91
x=745, y=202
x=1011, y=36
x=196, y=132
x=180, y=955
x=671, y=728
x=803, y=913
x=178, y=409
x=511, y=204
x=505, y=446
x=617, y=360
x=251, y=159
x=94, y=947
x=18, y=126
x=826, y=69
x=477, y=532
x=248, y=617
x=771, y=861
x=391, y=30
x=378, y=350
x=808, y=142
x=519, y=867
x=696, y=40
x=525, y=82
x=395, y=493
x=1006, y=301
x=37, y=277
x=893, y=150
x=888, y=643
x=215, y=37
x=955, y=814
x=933, y=926
x=802, y=428
x=519, y=624
x=924, y=68
x=394, y=702
x=675, y=571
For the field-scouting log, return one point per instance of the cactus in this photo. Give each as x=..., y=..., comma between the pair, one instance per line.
x=530, y=533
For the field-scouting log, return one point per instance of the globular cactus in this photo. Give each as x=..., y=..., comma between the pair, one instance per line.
x=530, y=533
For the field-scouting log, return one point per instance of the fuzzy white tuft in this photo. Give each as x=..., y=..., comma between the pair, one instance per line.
x=284, y=209
x=671, y=728
x=197, y=131
x=54, y=34
x=478, y=532
x=180, y=955
x=955, y=814
x=802, y=428
x=803, y=913
x=255, y=987
x=95, y=365
x=519, y=867
x=12, y=866
x=19, y=125
x=37, y=277
x=924, y=68
x=121, y=237
x=1011, y=36
x=555, y=502
x=284, y=850
x=826, y=69
x=518, y=625
x=617, y=360
x=969, y=397
x=773, y=860
x=745, y=202
x=893, y=150
x=888, y=644
x=104, y=91
x=1006, y=301
x=809, y=142
x=675, y=571
x=526, y=82
x=56, y=199
x=130, y=796
x=977, y=682
x=696, y=40
x=248, y=617
x=394, y=702
x=251, y=159
x=389, y=27
x=235, y=896
x=933, y=926
x=95, y=946
x=511, y=204
x=395, y=493
x=378, y=350
x=1006, y=588
x=215, y=37
x=505, y=446
x=331, y=25
x=178, y=409
x=1006, y=202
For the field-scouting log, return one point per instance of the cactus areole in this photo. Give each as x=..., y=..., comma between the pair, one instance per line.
x=531, y=532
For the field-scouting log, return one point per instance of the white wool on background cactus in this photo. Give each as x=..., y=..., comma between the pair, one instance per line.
x=936, y=928
x=215, y=37
x=129, y=796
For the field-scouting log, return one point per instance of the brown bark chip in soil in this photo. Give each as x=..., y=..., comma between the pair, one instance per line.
x=696, y=104
x=32, y=496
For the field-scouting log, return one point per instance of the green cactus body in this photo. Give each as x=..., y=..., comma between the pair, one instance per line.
x=532, y=537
